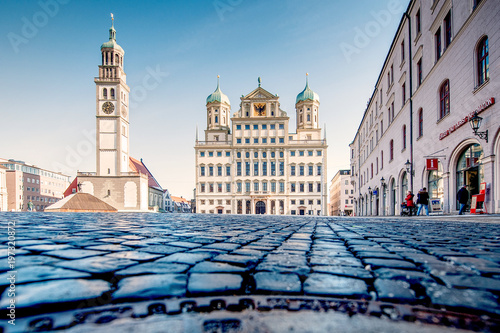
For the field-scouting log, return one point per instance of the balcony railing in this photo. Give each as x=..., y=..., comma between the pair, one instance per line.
x=213, y=143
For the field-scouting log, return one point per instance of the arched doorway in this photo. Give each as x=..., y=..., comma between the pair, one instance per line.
x=404, y=186
x=470, y=170
x=260, y=207
x=435, y=187
x=377, y=201
x=392, y=199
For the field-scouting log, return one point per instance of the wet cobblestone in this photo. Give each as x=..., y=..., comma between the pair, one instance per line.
x=70, y=259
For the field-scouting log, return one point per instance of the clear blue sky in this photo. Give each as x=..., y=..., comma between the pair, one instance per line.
x=50, y=50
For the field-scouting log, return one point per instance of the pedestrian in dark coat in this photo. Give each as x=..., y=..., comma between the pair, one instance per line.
x=463, y=198
x=423, y=201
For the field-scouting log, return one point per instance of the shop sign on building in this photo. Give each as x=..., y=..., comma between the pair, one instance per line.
x=432, y=164
x=465, y=119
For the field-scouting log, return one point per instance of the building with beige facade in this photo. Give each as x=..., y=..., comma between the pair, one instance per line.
x=120, y=180
x=249, y=163
x=29, y=186
x=341, y=194
x=441, y=69
x=3, y=189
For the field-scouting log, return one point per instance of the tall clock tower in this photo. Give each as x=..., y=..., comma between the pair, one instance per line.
x=112, y=117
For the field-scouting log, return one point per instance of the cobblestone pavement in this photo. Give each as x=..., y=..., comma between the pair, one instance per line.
x=115, y=270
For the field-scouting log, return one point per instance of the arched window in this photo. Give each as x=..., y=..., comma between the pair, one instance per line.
x=308, y=117
x=391, y=150
x=483, y=72
x=444, y=99
x=105, y=93
x=216, y=119
x=420, y=123
x=404, y=136
x=112, y=93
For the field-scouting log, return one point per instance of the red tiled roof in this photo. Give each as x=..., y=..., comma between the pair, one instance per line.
x=178, y=199
x=139, y=166
x=73, y=185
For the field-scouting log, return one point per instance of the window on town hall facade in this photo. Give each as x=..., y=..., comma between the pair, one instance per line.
x=420, y=123
x=381, y=159
x=404, y=137
x=437, y=43
x=482, y=61
x=403, y=50
x=417, y=22
x=391, y=150
x=419, y=72
x=447, y=30
x=444, y=99
x=403, y=93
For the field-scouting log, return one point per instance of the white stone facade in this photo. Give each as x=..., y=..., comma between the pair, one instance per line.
x=253, y=165
x=341, y=194
x=421, y=106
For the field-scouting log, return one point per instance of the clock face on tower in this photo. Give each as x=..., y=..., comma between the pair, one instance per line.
x=108, y=108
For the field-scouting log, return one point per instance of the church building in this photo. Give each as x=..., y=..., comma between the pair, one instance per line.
x=249, y=163
x=120, y=180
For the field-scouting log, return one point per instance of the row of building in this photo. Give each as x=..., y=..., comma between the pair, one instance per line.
x=27, y=187
x=432, y=120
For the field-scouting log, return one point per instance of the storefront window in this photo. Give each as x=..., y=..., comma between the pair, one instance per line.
x=436, y=188
x=470, y=169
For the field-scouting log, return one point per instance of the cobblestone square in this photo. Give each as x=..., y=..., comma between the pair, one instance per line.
x=69, y=263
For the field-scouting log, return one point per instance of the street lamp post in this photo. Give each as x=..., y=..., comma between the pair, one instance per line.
x=371, y=202
x=475, y=123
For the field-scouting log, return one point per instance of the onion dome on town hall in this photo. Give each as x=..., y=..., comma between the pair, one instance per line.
x=307, y=93
x=111, y=43
x=218, y=96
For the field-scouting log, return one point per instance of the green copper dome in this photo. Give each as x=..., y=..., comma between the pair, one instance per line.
x=218, y=96
x=111, y=43
x=307, y=94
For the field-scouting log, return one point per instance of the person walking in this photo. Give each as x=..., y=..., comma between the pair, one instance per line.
x=409, y=202
x=463, y=198
x=423, y=201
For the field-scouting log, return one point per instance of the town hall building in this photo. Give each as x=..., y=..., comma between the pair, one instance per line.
x=250, y=164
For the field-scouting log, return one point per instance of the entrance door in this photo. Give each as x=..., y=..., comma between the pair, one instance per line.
x=260, y=207
x=470, y=170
